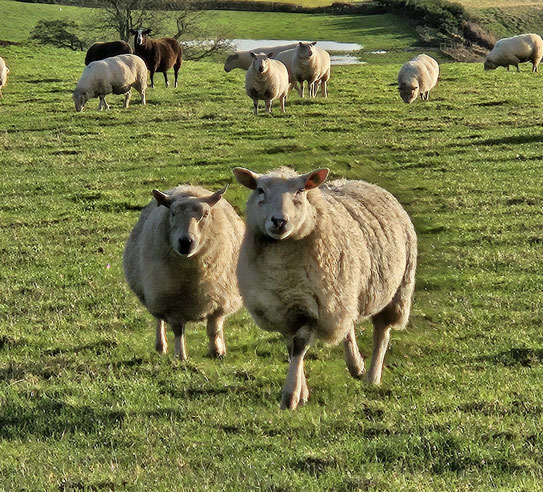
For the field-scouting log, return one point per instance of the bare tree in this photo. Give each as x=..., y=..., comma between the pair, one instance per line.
x=119, y=16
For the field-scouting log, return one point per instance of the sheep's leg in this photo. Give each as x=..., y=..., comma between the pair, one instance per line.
x=127, y=98
x=324, y=89
x=255, y=106
x=269, y=103
x=355, y=362
x=381, y=337
x=179, y=342
x=217, y=347
x=175, y=74
x=152, y=78
x=302, y=89
x=166, y=79
x=161, y=345
x=295, y=390
x=102, y=104
x=282, y=101
x=142, y=94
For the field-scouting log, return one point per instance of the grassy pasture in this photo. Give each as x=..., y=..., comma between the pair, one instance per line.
x=85, y=404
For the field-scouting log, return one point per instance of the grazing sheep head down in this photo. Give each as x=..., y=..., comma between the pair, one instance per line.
x=490, y=65
x=409, y=91
x=278, y=206
x=139, y=35
x=189, y=220
x=306, y=49
x=80, y=98
x=261, y=62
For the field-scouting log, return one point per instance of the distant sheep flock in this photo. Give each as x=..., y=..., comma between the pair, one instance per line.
x=313, y=259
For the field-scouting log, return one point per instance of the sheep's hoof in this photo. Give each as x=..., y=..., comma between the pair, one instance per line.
x=357, y=373
x=373, y=380
x=181, y=357
x=161, y=349
x=290, y=401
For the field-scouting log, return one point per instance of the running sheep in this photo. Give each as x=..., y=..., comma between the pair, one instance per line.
x=180, y=261
x=318, y=259
x=515, y=50
x=243, y=59
x=4, y=70
x=114, y=75
x=311, y=64
x=267, y=79
x=417, y=77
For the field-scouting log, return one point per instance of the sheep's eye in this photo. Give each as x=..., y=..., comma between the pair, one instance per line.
x=260, y=191
x=299, y=192
x=206, y=213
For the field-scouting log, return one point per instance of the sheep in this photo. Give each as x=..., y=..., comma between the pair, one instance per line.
x=159, y=54
x=267, y=79
x=312, y=64
x=515, y=50
x=315, y=261
x=286, y=57
x=417, y=77
x=4, y=70
x=243, y=59
x=117, y=75
x=101, y=50
x=180, y=261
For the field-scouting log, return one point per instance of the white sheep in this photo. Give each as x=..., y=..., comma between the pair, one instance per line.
x=315, y=261
x=515, y=50
x=4, y=70
x=312, y=64
x=243, y=59
x=267, y=79
x=417, y=77
x=287, y=57
x=114, y=75
x=180, y=261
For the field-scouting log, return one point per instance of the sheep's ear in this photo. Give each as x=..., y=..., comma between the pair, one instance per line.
x=300, y=43
x=162, y=198
x=245, y=177
x=252, y=54
x=213, y=199
x=315, y=178
x=269, y=55
x=147, y=31
x=313, y=43
x=132, y=31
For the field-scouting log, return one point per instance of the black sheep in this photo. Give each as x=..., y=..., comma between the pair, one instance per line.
x=99, y=50
x=159, y=54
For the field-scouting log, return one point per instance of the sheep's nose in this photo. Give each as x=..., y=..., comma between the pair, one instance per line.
x=260, y=69
x=279, y=223
x=186, y=245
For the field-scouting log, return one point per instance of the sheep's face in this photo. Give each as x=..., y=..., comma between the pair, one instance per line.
x=80, y=99
x=189, y=220
x=261, y=63
x=409, y=92
x=305, y=50
x=229, y=64
x=489, y=65
x=278, y=206
x=139, y=35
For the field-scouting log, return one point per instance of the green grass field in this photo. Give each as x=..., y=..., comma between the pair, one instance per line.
x=86, y=404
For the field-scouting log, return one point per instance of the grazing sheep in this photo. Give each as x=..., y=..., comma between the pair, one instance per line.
x=417, y=77
x=101, y=50
x=287, y=57
x=515, y=50
x=159, y=54
x=180, y=261
x=243, y=59
x=4, y=70
x=267, y=79
x=114, y=75
x=316, y=261
x=312, y=64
